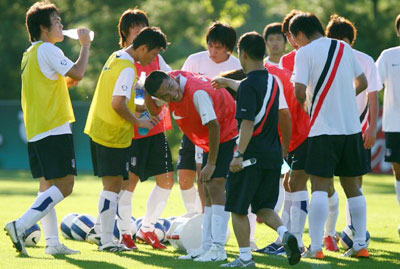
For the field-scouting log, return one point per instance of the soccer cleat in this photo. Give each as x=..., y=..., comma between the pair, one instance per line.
x=317, y=254
x=292, y=249
x=280, y=251
x=240, y=263
x=214, y=254
x=152, y=239
x=253, y=246
x=259, y=220
x=17, y=239
x=113, y=247
x=128, y=242
x=60, y=249
x=362, y=253
x=270, y=249
x=193, y=254
x=331, y=243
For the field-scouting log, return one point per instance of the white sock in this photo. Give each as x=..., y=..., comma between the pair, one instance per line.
x=189, y=199
x=281, y=231
x=330, y=225
x=97, y=225
x=155, y=207
x=397, y=186
x=40, y=207
x=198, y=204
x=298, y=214
x=253, y=223
x=286, y=210
x=206, y=240
x=219, y=224
x=125, y=211
x=281, y=197
x=245, y=254
x=107, y=210
x=358, y=213
x=317, y=216
x=50, y=227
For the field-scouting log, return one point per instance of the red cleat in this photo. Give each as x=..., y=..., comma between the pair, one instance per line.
x=128, y=241
x=331, y=244
x=152, y=239
x=259, y=220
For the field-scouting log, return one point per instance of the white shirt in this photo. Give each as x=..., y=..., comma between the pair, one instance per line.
x=282, y=99
x=201, y=63
x=338, y=114
x=126, y=78
x=374, y=84
x=52, y=63
x=388, y=65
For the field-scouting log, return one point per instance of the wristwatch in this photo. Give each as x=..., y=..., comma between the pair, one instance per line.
x=237, y=154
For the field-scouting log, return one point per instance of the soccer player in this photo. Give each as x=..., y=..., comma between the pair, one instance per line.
x=327, y=77
x=150, y=154
x=207, y=118
x=221, y=40
x=110, y=120
x=256, y=185
x=275, y=41
x=367, y=101
x=388, y=65
x=46, y=75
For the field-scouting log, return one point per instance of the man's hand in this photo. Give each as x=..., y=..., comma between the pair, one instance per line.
x=236, y=165
x=219, y=82
x=207, y=172
x=84, y=36
x=149, y=124
x=71, y=82
x=369, y=138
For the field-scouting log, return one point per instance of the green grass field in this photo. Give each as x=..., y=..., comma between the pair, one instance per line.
x=18, y=190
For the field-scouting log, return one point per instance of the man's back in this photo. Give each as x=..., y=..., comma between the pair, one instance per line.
x=328, y=68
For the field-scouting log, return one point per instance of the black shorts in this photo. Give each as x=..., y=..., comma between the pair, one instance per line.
x=392, y=142
x=253, y=186
x=225, y=156
x=52, y=157
x=187, y=152
x=336, y=155
x=109, y=161
x=297, y=158
x=150, y=156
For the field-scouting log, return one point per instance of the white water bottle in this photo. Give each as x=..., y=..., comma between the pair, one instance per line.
x=73, y=33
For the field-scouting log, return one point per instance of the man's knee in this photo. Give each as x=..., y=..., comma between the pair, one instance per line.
x=65, y=184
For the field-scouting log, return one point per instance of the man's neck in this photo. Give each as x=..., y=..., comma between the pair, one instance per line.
x=254, y=66
x=275, y=58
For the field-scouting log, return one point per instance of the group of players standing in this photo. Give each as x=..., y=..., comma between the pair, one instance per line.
x=310, y=93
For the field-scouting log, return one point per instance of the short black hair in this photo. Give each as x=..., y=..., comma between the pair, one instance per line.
x=130, y=18
x=286, y=20
x=397, y=23
x=154, y=80
x=273, y=28
x=152, y=37
x=253, y=44
x=237, y=74
x=37, y=15
x=340, y=28
x=222, y=33
x=307, y=23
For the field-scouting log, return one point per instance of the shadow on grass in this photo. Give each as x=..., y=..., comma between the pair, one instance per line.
x=87, y=264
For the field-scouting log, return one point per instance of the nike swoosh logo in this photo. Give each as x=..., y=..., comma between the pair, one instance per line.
x=395, y=64
x=176, y=117
x=152, y=241
x=213, y=259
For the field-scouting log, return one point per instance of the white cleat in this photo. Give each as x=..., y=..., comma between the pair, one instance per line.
x=113, y=247
x=214, y=254
x=16, y=238
x=60, y=249
x=93, y=237
x=253, y=246
x=193, y=254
